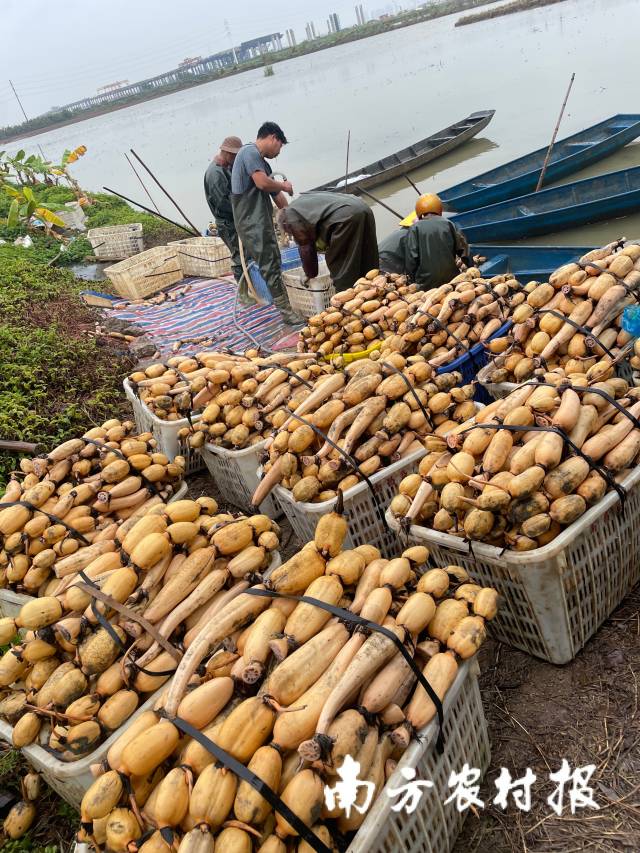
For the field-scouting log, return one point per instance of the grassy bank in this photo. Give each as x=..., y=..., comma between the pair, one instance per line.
x=509, y=9
x=57, y=378
x=105, y=210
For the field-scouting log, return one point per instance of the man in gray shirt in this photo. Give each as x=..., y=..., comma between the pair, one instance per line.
x=252, y=191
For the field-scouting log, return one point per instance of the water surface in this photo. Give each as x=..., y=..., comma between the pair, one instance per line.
x=390, y=91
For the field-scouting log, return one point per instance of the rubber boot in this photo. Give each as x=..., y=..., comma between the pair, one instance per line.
x=289, y=317
x=244, y=297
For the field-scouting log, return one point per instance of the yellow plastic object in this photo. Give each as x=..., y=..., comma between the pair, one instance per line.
x=348, y=357
x=408, y=220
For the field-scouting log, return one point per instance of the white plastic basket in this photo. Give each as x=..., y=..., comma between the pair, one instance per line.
x=556, y=597
x=235, y=474
x=433, y=827
x=364, y=513
x=116, y=242
x=308, y=297
x=165, y=432
x=11, y=602
x=496, y=390
x=71, y=779
x=143, y=275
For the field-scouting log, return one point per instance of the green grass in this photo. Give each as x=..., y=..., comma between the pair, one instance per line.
x=55, y=819
x=56, y=380
x=111, y=210
x=106, y=210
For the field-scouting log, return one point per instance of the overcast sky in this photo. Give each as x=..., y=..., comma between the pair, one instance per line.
x=60, y=52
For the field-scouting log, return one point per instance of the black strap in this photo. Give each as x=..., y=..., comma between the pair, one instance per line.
x=362, y=319
x=95, y=592
x=302, y=287
x=444, y=328
x=103, y=447
x=588, y=333
x=411, y=389
x=589, y=390
x=604, y=472
x=355, y=619
x=75, y=533
x=199, y=258
x=294, y=375
x=108, y=627
x=351, y=462
x=256, y=783
x=630, y=291
x=162, y=272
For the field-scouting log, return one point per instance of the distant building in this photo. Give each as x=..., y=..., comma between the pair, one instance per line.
x=291, y=38
x=190, y=60
x=335, y=23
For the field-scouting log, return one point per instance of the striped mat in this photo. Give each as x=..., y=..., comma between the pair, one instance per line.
x=206, y=311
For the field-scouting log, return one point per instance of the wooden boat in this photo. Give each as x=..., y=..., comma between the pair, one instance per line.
x=408, y=159
x=603, y=197
x=527, y=263
x=521, y=175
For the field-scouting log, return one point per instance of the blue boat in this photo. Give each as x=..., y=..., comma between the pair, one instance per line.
x=521, y=175
x=603, y=197
x=527, y=263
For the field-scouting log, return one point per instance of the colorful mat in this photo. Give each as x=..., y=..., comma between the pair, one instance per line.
x=205, y=311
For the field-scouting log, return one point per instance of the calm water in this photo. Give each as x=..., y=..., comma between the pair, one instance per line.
x=390, y=91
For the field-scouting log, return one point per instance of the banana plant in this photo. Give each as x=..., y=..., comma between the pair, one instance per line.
x=25, y=209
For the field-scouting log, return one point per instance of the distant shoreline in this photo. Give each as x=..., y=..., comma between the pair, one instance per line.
x=509, y=9
x=354, y=34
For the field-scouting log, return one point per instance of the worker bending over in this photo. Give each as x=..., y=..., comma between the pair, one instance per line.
x=253, y=192
x=392, y=251
x=432, y=245
x=217, y=189
x=337, y=224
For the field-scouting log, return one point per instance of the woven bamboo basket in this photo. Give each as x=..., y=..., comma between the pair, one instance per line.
x=203, y=256
x=146, y=273
x=116, y=242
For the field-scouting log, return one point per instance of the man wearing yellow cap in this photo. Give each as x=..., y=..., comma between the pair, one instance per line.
x=432, y=245
x=217, y=189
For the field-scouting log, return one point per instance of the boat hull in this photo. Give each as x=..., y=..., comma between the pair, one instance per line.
x=603, y=197
x=478, y=121
x=526, y=263
x=521, y=176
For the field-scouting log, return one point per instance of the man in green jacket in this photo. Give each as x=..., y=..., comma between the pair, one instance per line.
x=253, y=193
x=217, y=189
x=432, y=245
x=392, y=251
x=340, y=225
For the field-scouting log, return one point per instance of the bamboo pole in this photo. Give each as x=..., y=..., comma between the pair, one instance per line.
x=555, y=133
